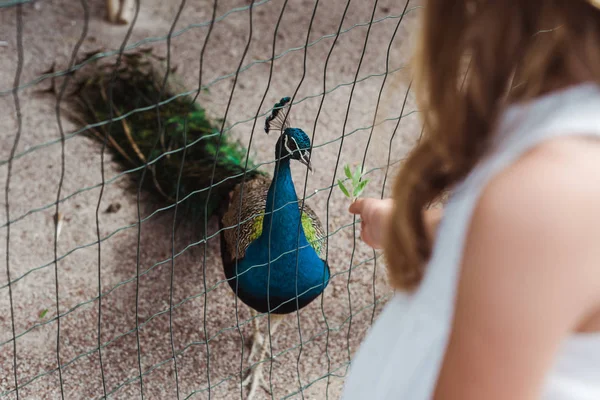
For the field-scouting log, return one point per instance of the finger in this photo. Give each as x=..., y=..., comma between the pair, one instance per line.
x=357, y=206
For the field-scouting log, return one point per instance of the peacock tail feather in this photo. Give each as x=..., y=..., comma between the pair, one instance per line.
x=135, y=135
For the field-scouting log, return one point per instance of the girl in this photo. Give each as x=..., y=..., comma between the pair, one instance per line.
x=501, y=299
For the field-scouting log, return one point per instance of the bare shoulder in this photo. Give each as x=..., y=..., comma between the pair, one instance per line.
x=545, y=208
x=555, y=185
x=560, y=172
x=530, y=273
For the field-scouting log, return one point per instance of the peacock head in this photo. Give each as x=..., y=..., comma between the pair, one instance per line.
x=295, y=144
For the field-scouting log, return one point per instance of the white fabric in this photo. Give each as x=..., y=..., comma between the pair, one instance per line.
x=402, y=354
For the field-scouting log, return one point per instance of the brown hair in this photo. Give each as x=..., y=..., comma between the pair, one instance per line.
x=515, y=50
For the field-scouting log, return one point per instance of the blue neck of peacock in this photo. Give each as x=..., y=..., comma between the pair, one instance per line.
x=286, y=218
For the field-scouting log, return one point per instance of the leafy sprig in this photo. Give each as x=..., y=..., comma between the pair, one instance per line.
x=356, y=179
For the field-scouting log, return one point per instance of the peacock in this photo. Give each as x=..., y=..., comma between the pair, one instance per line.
x=267, y=237
x=271, y=286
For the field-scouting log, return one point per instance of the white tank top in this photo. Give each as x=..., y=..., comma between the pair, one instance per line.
x=402, y=354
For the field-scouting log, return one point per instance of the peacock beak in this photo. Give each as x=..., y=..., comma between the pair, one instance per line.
x=307, y=163
x=304, y=159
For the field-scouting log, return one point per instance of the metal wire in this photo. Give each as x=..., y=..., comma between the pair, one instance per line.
x=207, y=86
x=202, y=52
x=202, y=241
x=19, y=15
x=224, y=120
x=162, y=38
x=364, y=160
x=103, y=183
x=337, y=162
x=145, y=369
x=160, y=130
x=153, y=367
x=269, y=79
x=174, y=151
x=12, y=3
x=59, y=98
x=301, y=211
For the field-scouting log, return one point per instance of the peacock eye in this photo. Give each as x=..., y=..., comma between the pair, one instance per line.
x=291, y=145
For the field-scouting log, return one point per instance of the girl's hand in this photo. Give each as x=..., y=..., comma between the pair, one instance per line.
x=374, y=213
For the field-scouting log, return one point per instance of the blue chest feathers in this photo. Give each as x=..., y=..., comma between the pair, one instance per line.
x=296, y=270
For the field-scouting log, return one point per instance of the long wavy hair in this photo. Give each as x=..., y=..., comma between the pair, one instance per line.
x=475, y=57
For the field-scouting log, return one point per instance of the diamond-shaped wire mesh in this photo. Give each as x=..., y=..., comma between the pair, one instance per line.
x=115, y=298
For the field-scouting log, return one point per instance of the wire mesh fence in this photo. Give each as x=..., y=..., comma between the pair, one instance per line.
x=114, y=283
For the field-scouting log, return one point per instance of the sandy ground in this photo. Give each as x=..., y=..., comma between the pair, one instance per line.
x=315, y=347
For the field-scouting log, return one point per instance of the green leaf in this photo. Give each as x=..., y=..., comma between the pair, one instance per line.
x=357, y=175
x=43, y=313
x=343, y=188
x=363, y=184
x=360, y=188
x=356, y=192
x=347, y=171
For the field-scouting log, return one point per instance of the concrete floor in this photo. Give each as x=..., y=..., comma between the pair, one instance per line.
x=50, y=32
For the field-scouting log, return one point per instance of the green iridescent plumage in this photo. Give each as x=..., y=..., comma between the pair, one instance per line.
x=314, y=237
x=137, y=137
